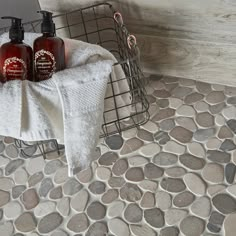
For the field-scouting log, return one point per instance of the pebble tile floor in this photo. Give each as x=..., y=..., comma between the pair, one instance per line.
x=173, y=176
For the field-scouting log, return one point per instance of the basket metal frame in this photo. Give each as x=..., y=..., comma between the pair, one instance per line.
x=93, y=23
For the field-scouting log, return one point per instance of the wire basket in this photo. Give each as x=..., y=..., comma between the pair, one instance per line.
x=101, y=24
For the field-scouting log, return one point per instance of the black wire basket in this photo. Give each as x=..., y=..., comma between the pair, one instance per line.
x=100, y=24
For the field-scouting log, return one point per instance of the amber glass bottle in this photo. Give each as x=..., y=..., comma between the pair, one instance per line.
x=49, y=50
x=16, y=57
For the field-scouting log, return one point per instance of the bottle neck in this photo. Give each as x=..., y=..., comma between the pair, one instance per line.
x=46, y=34
x=16, y=41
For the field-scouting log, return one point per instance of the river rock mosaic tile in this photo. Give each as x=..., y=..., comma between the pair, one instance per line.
x=175, y=175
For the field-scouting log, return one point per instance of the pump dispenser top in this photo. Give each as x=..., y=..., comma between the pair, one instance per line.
x=49, y=50
x=16, y=32
x=47, y=25
x=16, y=57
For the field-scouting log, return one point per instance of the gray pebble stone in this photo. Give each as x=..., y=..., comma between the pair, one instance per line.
x=134, y=174
x=12, y=166
x=80, y=200
x=35, y=178
x=161, y=93
x=232, y=100
x=169, y=231
x=205, y=119
x=193, y=98
x=225, y=132
x=203, y=134
x=161, y=137
x=163, y=103
x=171, y=87
x=97, y=229
x=173, y=185
x=215, y=97
x=30, y=199
x=29, y=151
x=215, y=109
x=63, y=206
x=227, y=145
x=120, y=167
x=232, y=125
x=175, y=171
x=167, y=125
x=186, y=122
x=230, y=170
x=116, y=182
x=154, y=217
x=6, y=228
x=151, y=171
x=118, y=227
x=213, y=228
x=59, y=233
x=114, y=142
x=165, y=159
x=11, y=151
x=133, y=213
x=97, y=187
x=131, y=145
x=141, y=230
x=85, y=176
x=202, y=207
x=192, y=162
x=96, y=211
x=1, y=214
x=2, y=146
x=26, y=222
x=110, y=196
x=175, y=215
x=145, y=135
x=218, y=156
x=83, y=223
x=163, y=200
x=45, y=187
x=181, y=134
x=148, y=200
x=216, y=218
x=49, y=222
x=71, y=187
x=192, y=225
x=224, y=203
x=17, y=191
x=180, y=92
x=4, y=198
x=164, y=114
x=130, y=192
x=56, y=193
x=8, y=140
x=151, y=99
x=52, y=166
x=107, y=159
x=183, y=199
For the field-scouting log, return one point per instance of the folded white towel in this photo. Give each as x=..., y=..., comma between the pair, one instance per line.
x=69, y=106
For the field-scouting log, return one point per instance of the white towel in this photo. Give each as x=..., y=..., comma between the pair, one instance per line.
x=69, y=106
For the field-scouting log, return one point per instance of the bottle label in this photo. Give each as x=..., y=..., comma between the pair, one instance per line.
x=14, y=68
x=45, y=64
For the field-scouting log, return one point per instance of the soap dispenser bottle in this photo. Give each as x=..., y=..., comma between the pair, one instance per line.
x=49, y=50
x=16, y=57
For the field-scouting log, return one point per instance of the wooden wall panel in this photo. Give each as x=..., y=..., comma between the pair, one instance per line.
x=182, y=38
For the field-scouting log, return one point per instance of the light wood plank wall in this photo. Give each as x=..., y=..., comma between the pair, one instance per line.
x=182, y=38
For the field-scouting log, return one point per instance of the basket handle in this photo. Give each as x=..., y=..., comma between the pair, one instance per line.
x=131, y=41
x=118, y=18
